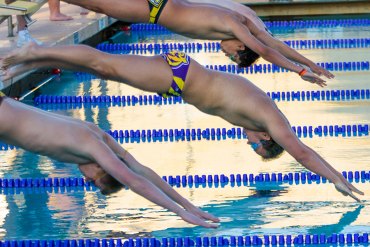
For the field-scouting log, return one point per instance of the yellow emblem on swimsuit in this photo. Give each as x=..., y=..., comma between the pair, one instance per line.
x=2, y=94
x=176, y=58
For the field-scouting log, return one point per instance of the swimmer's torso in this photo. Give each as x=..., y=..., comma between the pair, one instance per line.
x=197, y=20
x=42, y=132
x=230, y=96
x=189, y=19
x=233, y=97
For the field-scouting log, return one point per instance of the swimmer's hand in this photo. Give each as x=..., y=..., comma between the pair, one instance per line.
x=311, y=77
x=347, y=189
x=202, y=214
x=195, y=220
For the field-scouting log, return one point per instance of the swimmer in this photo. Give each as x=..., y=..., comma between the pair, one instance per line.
x=229, y=96
x=244, y=36
x=99, y=157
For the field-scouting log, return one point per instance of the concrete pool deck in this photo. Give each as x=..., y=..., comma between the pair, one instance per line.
x=76, y=31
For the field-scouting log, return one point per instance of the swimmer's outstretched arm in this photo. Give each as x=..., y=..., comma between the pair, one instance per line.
x=108, y=160
x=243, y=33
x=281, y=132
x=290, y=53
x=153, y=177
x=258, y=29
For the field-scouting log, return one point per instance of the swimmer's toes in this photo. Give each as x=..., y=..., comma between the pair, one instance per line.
x=7, y=62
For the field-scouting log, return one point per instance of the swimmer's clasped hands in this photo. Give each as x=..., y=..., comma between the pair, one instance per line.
x=314, y=73
x=311, y=77
x=204, y=215
x=196, y=216
x=347, y=189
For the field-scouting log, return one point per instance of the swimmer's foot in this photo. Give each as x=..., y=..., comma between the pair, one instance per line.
x=84, y=11
x=2, y=73
x=12, y=72
x=20, y=69
x=60, y=17
x=24, y=54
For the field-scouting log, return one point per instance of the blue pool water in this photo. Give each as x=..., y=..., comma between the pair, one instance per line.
x=259, y=208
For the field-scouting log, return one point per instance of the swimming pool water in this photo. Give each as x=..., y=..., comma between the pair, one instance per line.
x=257, y=209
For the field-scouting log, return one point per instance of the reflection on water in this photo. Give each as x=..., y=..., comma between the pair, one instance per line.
x=260, y=209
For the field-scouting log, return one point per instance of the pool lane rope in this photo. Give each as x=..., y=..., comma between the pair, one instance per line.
x=17, y=185
x=193, y=47
x=236, y=133
x=288, y=25
x=203, y=241
x=220, y=134
x=154, y=99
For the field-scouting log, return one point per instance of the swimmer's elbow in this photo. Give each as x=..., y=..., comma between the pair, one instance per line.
x=266, y=52
x=302, y=155
x=136, y=184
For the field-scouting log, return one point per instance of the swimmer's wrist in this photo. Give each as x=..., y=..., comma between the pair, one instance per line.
x=187, y=205
x=302, y=72
x=179, y=211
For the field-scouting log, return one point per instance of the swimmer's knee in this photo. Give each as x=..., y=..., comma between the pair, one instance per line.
x=254, y=14
x=101, y=68
x=95, y=129
x=106, y=138
x=91, y=126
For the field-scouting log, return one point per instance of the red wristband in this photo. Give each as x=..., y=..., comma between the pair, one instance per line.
x=302, y=72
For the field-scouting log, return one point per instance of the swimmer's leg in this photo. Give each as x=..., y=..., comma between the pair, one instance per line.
x=18, y=56
x=19, y=69
x=36, y=56
x=133, y=70
x=124, y=10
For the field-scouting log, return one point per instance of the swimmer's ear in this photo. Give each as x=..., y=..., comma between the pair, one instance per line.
x=109, y=185
x=266, y=136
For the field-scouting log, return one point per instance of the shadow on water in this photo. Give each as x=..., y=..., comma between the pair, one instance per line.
x=237, y=215
x=346, y=220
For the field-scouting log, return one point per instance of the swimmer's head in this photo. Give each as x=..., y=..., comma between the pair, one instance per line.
x=104, y=181
x=263, y=144
x=238, y=52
